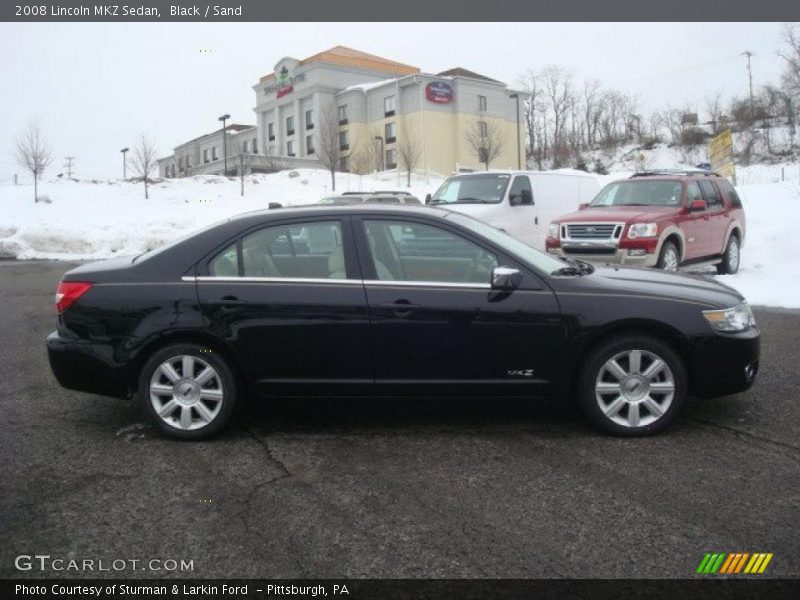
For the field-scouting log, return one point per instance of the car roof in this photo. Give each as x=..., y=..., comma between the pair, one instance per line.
x=558, y=173
x=343, y=209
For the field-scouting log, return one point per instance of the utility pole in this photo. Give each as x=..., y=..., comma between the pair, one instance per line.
x=68, y=160
x=224, y=118
x=749, y=54
x=124, y=163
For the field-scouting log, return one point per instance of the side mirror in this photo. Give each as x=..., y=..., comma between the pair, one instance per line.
x=583, y=206
x=506, y=279
x=697, y=205
x=427, y=198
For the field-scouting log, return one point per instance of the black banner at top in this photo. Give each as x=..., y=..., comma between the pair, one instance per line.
x=396, y=10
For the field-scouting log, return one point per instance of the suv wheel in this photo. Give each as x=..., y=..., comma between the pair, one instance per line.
x=189, y=393
x=731, y=257
x=669, y=259
x=632, y=386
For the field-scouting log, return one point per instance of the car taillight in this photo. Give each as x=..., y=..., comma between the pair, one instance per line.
x=69, y=291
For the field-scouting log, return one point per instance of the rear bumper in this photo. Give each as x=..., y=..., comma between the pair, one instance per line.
x=723, y=364
x=86, y=367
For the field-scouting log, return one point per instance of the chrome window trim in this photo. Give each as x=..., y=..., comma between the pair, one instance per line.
x=379, y=282
x=393, y=283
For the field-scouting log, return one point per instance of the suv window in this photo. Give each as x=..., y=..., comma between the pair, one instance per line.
x=730, y=191
x=521, y=182
x=711, y=194
x=311, y=250
x=408, y=251
x=693, y=192
x=640, y=192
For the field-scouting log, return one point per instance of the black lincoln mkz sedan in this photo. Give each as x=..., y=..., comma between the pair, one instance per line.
x=390, y=301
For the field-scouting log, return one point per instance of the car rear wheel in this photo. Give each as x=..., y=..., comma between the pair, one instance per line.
x=669, y=259
x=189, y=391
x=632, y=386
x=731, y=257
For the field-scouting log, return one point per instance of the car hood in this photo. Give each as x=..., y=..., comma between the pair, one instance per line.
x=617, y=214
x=651, y=282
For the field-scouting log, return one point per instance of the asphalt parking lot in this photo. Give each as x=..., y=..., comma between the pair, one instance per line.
x=409, y=488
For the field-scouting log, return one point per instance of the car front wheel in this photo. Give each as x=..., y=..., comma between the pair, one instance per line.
x=632, y=386
x=189, y=391
x=669, y=259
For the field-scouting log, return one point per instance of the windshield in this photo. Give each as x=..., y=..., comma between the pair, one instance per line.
x=532, y=256
x=472, y=189
x=639, y=193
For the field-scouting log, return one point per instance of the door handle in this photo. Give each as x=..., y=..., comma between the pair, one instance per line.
x=228, y=302
x=401, y=308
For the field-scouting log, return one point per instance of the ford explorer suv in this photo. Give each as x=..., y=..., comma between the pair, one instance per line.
x=664, y=219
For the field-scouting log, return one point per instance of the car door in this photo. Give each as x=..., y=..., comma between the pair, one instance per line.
x=438, y=327
x=288, y=299
x=715, y=236
x=523, y=221
x=696, y=225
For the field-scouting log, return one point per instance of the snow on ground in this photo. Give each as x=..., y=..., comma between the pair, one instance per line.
x=99, y=219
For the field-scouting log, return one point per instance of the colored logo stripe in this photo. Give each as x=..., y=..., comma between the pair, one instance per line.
x=734, y=562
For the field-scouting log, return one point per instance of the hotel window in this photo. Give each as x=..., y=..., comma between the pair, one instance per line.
x=289, y=125
x=188, y=162
x=309, y=144
x=482, y=103
x=255, y=146
x=344, y=164
x=205, y=155
x=271, y=150
x=180, y=164
x=213, y=153
x=343, y=142
x=482, y=128
x=391, y=158
x=271, y=131
x=389, y=132
x=290, y=148
x=309, y=119
x=388, y=106
x=343, y=114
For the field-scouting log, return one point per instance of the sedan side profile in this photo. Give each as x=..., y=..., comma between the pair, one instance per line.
x=420, y=301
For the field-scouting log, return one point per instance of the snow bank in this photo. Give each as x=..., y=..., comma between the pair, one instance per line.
x=100, y=219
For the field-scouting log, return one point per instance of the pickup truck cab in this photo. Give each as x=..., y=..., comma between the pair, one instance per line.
x=521, y=203
x=664, y=219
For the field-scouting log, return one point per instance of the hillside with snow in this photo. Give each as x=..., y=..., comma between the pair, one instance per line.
x=93, y=219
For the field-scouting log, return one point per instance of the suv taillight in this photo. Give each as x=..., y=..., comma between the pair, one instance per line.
x=69, y=291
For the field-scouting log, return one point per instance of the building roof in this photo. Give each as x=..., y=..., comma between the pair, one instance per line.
x=349, y=57
x=462, y=72
x=233, y=128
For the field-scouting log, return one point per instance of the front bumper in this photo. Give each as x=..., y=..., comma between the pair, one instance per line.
x=606, y=255
x=722, y=364
x=86, y=366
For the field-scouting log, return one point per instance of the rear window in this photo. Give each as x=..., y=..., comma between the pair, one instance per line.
x=730, y=192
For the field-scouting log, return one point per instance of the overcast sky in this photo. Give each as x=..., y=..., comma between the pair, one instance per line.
x=95, y=87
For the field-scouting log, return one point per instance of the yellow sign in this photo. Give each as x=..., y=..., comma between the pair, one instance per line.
x=720, y=154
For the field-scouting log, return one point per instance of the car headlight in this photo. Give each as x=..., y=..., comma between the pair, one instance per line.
x=738, y=318
x=638, y=230
x=554, y=227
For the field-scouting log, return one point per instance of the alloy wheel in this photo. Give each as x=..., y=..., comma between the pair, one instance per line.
x=634, y=388
x=733, y=255
x=186, y=392
x=671, y=260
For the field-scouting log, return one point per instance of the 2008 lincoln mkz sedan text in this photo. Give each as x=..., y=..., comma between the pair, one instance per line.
x=390, y=301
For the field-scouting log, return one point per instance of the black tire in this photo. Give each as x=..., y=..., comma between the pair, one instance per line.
x=665, y=260
x=595, y=366
x=222, y=380
x=731, y=257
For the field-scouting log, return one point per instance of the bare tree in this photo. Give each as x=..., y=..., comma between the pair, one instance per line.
x=329, y=150
x=409, y=150
x=714, y=108
x=486, y=139
x=592, y=109
x=275, y=162
x=791, y=57
x=33, y=152
x=144, y=160
x=558, y=89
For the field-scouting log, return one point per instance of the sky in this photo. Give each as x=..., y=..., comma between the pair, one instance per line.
x=96, y=87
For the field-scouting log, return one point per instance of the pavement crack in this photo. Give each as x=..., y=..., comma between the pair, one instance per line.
x=794, y=451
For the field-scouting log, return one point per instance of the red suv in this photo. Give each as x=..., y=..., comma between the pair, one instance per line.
x=665, y=219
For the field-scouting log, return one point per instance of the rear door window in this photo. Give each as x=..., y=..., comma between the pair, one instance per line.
x=693, y=192
x=711, y=193
x=730, y=191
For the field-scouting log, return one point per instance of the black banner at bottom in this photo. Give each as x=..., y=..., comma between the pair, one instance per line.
x=387, y=589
